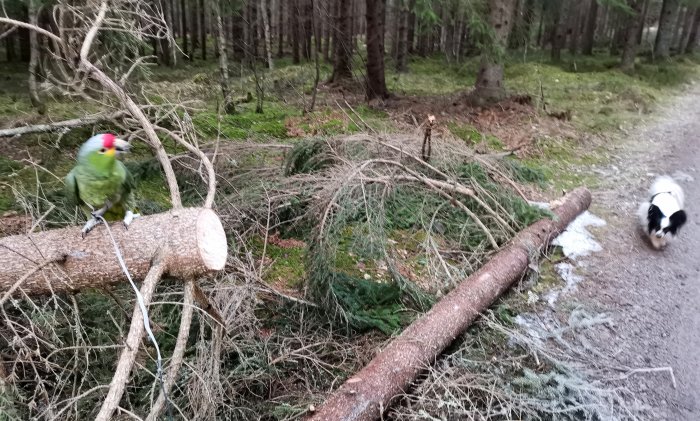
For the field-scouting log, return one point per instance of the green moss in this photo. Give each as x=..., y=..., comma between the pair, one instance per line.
x=245, y=124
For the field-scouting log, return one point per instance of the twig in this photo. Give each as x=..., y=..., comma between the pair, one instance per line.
x=32, y=28
x=650, y=370
x=21, y=280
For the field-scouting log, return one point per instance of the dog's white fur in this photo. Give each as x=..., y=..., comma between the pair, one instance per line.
x=668, y=196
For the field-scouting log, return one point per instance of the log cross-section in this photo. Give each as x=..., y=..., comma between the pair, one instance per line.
x=192, y=242
x=390, y=373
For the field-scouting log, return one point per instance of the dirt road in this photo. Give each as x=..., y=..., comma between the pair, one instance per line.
x=653, y=296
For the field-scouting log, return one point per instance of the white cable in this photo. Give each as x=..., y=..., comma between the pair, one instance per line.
x=144, y=311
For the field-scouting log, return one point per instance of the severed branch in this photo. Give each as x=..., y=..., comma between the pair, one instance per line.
x=179, y=351
x=61, y=125
x=128, y=356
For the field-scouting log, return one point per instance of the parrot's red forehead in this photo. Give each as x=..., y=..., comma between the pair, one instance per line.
x=108, y=140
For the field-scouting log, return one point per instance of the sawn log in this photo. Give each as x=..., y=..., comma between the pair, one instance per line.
x=192, y=241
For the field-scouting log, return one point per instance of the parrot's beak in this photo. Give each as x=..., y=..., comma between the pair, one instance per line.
x=122, y=146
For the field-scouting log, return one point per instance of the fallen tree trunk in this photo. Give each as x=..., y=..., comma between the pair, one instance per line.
x=61, y=125
x=192, y=242
x=366, y=394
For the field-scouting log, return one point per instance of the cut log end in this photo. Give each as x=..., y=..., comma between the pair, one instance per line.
x=211, y=239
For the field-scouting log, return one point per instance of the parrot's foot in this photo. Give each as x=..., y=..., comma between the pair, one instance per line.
x=129, y=218
x=89, y=226
x=99, y=213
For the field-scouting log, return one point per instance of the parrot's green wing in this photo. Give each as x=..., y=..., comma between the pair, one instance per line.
x=71, y=190
x=129, y=186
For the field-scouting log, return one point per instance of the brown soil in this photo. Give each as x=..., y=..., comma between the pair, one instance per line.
x=652, y=295
x=515, y=121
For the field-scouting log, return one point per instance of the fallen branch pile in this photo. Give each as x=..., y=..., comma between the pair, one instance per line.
x=368, y=393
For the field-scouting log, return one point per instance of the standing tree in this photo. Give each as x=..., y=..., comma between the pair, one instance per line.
x=629, y=52
x=489, y=86
x=342, y=66
x=228, y=106
x=376, y=84
x=664, y=34
x=693, y=33
x=589, y=35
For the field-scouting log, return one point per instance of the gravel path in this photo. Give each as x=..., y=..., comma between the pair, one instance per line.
x=653, y=296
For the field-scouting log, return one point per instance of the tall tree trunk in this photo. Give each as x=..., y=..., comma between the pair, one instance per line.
x=664, y=34
x=280, y=29
x=677, y=28
x=643, y=22
x=10, y=52
x=23, y=33
x=411, y=31
x=589, y=35
x=308, y=28
x=376, y=84
x=629, y=52
x=574, y=27
x=694, y=30
x=687, y=24
x=402, y=39
x=295, y=21
x=228, y=106
x=489, y=86
x=561, y=28
x=342, y=67
x=195, y=28
x=185, y=43
x=326, y=21
x=266, y=31
x=203, y=27
x=238, y=33
x=34, y=60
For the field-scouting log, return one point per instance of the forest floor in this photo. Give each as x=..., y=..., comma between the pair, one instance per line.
x=595, y=144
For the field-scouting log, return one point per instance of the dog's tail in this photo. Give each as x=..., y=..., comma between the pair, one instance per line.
x=643, y=214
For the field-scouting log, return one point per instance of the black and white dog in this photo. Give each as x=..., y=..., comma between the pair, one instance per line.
x=663, y=215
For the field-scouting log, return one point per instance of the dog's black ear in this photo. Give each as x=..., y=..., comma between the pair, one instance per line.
x=654, y=216
x=677, y=221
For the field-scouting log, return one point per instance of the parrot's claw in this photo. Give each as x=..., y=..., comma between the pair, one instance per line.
x=88, y=227
x=129, y=218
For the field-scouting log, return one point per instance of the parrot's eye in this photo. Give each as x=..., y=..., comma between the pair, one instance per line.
x=103, y=150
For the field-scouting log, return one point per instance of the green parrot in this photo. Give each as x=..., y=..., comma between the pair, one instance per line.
x=100, y=184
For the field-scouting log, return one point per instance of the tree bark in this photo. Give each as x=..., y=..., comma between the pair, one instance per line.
x=642, y=22
x=664, y=34
x=589, y=35
x=694, y=30
x=280, y=29
x=678, y=27
x=296, y=32
x=34, y=60
x=342, y=67
x=402, y=39
x=561, y=28
x=687, y=23
x=184, y=30
x=203, y=27
x=376, y=83
x=629, y=53
x=266, y=32
x=489, y=86
x=229, y=106
x=193, y=242
x=390, y=373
